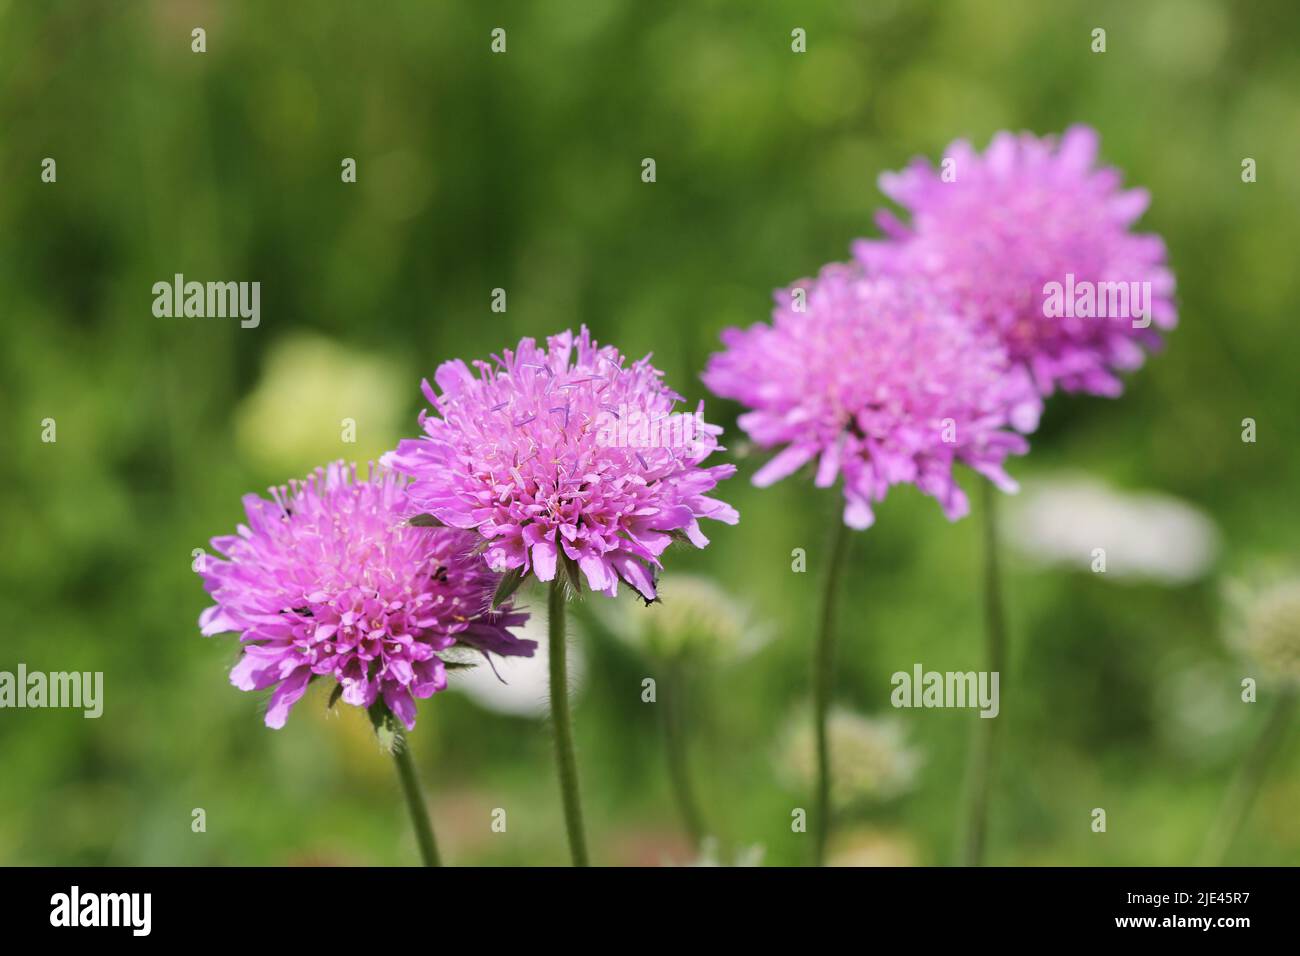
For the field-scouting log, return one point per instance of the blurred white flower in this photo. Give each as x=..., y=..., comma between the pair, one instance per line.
x=1198, y=713
x=710, y=855
x=1264, y=613
x=870, y=759
x=523, y=688
x=870, y=847
x=311, y=388
x=1150, y=535
x=693, y=616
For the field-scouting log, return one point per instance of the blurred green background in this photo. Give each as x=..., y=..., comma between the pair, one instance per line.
x=522, y=171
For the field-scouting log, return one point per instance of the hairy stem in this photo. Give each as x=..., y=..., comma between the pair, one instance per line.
x=565, y=762
x=984, y=735
x=675, y=742
x=1245, y=785
x=415, y=804
x=823, y=668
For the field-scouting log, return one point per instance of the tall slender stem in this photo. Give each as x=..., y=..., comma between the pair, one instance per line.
x=823, y=668
x=1245, y=785
x=985, y=733
x=415, y=804
x=565, y=762
x=679, y=771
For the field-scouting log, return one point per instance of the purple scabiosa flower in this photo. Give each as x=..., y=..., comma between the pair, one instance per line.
x=1031, y=240
x=882, y=384
x=565, y=452
x=327, y=580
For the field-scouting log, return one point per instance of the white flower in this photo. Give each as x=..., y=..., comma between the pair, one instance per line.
x=1265, y=622
x=710, y=855
x=523, y=687
x=871, y=847
x=1150, y=535
x=315, y=397
x=692, y=615
x=870, y=760
x=1199, y=713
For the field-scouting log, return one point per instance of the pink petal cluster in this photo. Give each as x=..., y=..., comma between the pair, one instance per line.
x=545, y=452
x=327, y=580
x=1026, y=213
x=882, y=384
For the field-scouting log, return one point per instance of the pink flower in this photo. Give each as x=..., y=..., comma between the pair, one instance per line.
x=565, y=453
x=881, y=384
x=1032, y=241
x=326, y=579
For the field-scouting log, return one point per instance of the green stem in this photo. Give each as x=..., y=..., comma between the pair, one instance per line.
x=415, y=804
x=564, y=759
x=823, y=666
x=674, y=718
x=985, y=733
x=1245, y=785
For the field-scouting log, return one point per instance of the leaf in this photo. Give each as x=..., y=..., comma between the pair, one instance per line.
x=509, y=584
x=424, y=521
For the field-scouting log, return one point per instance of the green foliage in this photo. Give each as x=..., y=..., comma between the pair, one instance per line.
x=521, y=171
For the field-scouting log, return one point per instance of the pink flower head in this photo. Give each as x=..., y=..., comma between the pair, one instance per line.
x=326, y=579
x=880, y=383
x=1033, y=241
x=565, y=452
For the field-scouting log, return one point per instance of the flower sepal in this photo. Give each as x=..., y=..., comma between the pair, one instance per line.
x=425, y=520
x=572, y=574
x=509, y=584
x=388, y=729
